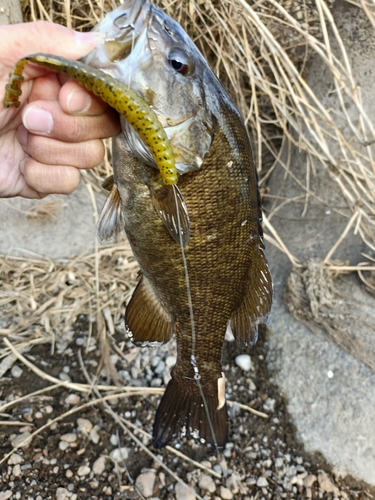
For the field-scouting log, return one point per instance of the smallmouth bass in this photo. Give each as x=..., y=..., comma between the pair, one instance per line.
x=202, y=264
x=199, y=242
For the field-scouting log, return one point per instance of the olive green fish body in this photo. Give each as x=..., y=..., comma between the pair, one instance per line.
x=224, y=249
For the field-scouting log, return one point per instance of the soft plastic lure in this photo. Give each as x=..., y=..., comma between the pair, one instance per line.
x=136, y=111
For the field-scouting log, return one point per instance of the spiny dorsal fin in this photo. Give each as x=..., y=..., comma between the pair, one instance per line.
x=256, y=303
x=145, y=318
x=110, y=221
x=170, y=205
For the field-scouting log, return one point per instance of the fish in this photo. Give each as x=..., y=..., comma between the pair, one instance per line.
x=211, y=269
x=198, y=239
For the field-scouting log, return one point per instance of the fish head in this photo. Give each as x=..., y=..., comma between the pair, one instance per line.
x=150, y=53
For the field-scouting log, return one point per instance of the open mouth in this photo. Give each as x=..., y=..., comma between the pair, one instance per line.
x=127, y=26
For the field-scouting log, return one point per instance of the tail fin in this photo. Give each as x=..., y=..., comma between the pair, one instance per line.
x=183, y=413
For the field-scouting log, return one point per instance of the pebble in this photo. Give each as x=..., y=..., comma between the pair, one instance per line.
x=70, y=437
x=69, y=474
x=98, y=466
x=21, y=440
x=244, y=362
x=206, y=483
x=262, y=482
x=64, y=377
x=119, y=454
x=84, y=425
x=16, y=470
x=325, y=484
x=170, y=361
x=309, y=480
x=84, y=470
x=182, y=492
x=6, y=494
x=72, y=399
x=16, y=371
x=94, y=434
x=62, y=494
x=15, y=459
x=63, y=445
x=225, y=493
x=146, y=482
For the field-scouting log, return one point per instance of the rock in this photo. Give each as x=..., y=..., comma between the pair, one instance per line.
x=16, y=371
x=15, y=459
x=5, y=495
x=225, y=493
x=70, y=437
x=262, y=482
x=182, y=492
x=119, y=454
x=16, y=470
x=309, y=480
x=98, y=466
x=84, y=425
x=21, y=228
x=206, y=483
x=94, y=434
x=21, y=440
x=146, y=482
x=244, y=362
x=333, y=415
x=62, y=494
x=72, y=399
x=83, y=470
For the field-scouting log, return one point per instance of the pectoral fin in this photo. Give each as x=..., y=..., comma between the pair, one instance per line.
x=256, y=304
x=110, y=221
x=145, y=318
x=170, y=205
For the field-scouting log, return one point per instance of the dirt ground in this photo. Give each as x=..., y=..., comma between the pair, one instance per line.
x=88, y=454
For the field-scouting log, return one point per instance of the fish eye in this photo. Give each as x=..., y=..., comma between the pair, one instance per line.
x=179, y=62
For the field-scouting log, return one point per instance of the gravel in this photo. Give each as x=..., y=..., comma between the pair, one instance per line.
x=86, y=455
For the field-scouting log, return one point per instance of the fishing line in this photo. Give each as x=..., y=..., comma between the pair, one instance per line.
x=193, y=359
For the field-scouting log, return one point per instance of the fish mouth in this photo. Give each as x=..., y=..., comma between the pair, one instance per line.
x=122, y=28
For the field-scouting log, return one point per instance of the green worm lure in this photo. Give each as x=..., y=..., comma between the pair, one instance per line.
x=124, y=100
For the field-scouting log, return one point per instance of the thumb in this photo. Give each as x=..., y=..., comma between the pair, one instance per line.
x=42, y=36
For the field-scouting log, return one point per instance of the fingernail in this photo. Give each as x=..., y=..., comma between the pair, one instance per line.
x=78, y=102
x=22, y=134
x=38, y=120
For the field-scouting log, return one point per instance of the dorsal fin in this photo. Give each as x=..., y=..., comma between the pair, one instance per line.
x=145, y=318
x=256, y=303
x=171, y=208
x=110, y=221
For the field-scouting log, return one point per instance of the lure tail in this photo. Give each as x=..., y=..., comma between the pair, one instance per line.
x=183, y=412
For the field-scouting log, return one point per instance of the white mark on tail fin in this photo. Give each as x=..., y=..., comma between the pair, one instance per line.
x=221, y=391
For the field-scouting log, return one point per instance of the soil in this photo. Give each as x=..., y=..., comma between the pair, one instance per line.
x=263, y=460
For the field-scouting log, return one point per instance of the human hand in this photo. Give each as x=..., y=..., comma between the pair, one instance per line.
x=58, y=128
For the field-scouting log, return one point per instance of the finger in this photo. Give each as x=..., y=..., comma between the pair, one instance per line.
x=75, y=100
x=43, y=36
x=46, y=118
x=49, y=151
x=49, y=179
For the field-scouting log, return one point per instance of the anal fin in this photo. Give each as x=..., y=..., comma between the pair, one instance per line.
x=182, y=412
x=146, y=319
x=110, y=221
x=257, y=300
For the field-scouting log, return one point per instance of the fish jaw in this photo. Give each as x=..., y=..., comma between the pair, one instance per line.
x=139, y=46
